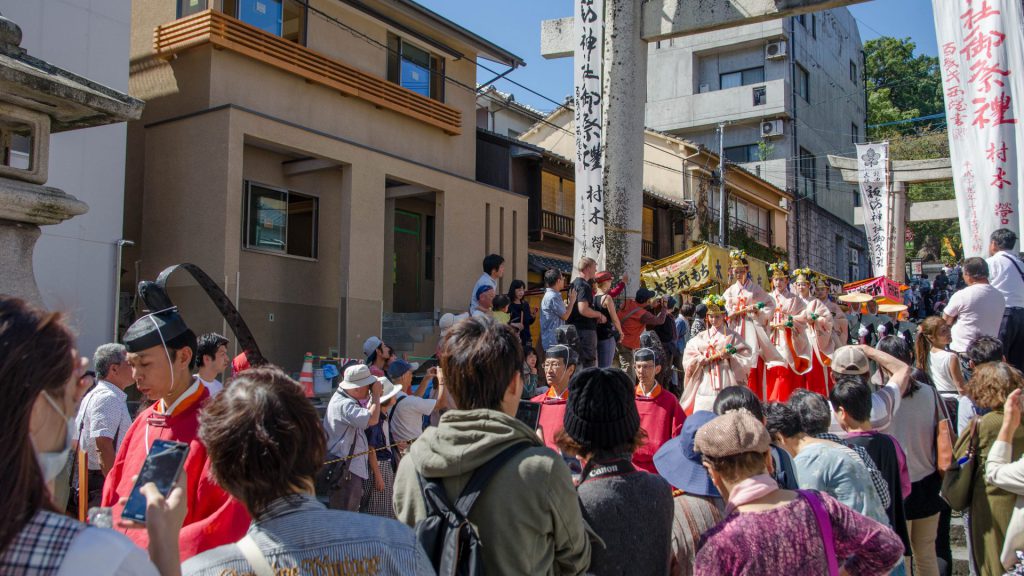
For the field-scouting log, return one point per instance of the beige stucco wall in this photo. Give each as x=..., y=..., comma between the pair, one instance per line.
x=193, y=198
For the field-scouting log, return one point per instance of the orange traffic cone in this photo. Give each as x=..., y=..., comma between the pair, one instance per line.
x=306, y=376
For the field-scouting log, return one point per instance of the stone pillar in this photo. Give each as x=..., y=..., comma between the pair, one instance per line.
x=625, y=95
x=898, y=259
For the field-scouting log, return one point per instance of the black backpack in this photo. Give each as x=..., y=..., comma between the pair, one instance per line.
x=446, y=535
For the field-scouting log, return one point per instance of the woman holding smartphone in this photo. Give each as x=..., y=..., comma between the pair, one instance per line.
x=40, y=381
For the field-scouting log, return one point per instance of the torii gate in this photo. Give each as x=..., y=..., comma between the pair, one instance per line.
x=628, y=26
x=901, y=173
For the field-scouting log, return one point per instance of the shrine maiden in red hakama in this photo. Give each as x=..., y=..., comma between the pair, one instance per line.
x=714, y=359
x=750, y=309
x=818, y=321
x=786, y=372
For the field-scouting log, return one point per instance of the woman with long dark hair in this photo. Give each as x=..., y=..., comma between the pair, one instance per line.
x=519, y=311
x=40, y=382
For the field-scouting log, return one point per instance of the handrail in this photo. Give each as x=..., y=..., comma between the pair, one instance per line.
x=557, y=224
x=223, y=31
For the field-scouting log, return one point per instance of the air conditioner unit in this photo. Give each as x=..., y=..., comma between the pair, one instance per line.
x=775, y=50
x=771, y=128
x=784, y=203
x=705, y=88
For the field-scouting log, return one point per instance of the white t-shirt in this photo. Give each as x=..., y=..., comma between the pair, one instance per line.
x=940, y=371
x=214, y=387
x=102, y=552
x=1004, y=276
x=406, y=418
x=884, y=403
x=978, y=310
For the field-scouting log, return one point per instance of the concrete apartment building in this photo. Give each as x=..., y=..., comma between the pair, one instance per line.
x=75, y=262
x=791, y=91
x=317, y=159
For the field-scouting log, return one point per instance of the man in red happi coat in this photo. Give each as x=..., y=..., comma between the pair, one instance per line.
x=661, y=415
x=161, y=350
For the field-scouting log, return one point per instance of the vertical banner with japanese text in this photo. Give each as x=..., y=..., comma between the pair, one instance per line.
x=590, y=215
x=981, y=45
x=873, y=178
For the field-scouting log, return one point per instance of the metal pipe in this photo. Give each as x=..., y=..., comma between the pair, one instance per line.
x=723, y=212
x=117, y=284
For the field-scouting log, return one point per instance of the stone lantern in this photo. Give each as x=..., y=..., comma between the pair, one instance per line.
x=37, y=98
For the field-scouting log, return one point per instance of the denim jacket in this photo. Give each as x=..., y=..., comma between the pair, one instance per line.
x=298, y=535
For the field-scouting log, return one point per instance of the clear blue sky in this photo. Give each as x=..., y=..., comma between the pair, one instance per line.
x=515, y=26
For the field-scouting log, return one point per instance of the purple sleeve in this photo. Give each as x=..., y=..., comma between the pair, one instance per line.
x=863, y=546
x=901, y=457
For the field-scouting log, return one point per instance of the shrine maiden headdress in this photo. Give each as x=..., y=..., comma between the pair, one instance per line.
x=779, y=270
x=738, y=257
x=819, y=281
x=802, y=275
x=715, y=304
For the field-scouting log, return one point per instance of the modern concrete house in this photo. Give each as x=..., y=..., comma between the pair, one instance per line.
x=790, y=92
x=678, y=178
x=317, y=159
x=76, y=261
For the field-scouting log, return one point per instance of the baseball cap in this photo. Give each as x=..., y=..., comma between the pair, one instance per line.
x=371, y=344
x=399, y=367
x=643, y=295
x=732, y=433
x=850, y=360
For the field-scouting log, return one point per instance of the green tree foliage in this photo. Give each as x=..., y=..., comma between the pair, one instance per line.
x=900, y=85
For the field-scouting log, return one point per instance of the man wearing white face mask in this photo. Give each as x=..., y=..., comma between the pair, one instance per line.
x=39, y=380
x=161, y=350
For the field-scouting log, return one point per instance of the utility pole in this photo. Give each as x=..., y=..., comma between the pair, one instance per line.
x=723, y=211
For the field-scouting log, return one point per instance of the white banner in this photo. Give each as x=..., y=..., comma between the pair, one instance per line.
x=876, y=200
x=590, y=214
x=981, y=45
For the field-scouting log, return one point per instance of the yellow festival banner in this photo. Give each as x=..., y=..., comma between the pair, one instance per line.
x=706, y=267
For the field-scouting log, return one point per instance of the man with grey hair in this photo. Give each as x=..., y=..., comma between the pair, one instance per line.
x=103, y=417
x=1006, y=274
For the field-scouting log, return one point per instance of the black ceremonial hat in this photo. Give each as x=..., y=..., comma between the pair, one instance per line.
x=146, y=332
x=154, y=329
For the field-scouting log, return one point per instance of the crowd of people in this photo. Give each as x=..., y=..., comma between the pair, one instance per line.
x=751, y=432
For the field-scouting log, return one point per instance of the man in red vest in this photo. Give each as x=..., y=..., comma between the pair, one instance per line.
x=161, y=350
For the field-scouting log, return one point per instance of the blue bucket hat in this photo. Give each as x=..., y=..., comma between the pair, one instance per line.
x=678, y=462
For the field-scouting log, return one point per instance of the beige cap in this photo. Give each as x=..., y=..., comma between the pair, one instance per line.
x=850, y=360
x=732, y=433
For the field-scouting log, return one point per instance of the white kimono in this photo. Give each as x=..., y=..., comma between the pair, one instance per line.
x=704, y=382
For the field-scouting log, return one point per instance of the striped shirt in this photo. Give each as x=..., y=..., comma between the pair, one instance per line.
x=694, y=515
x=298, y=535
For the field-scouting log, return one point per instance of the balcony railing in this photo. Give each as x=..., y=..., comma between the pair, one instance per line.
x=760, y=235
x=647, y=249
x=225, y=32
x=557, y=224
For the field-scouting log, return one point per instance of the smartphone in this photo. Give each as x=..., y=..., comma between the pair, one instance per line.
x=162, y=467
x=528, y=413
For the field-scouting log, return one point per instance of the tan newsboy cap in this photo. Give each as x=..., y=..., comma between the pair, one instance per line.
x=732, y=433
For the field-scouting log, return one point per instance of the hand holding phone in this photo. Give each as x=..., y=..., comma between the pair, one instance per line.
x=528, y=413
x=162, y=468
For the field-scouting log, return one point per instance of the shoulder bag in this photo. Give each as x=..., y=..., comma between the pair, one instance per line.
x=824, y=523
x=958, y=482
x=944, y=438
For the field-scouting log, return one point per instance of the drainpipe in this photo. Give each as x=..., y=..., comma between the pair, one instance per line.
x=117, y=284
x=798, y=256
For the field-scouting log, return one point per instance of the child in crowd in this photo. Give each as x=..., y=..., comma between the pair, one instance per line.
x=500, y=312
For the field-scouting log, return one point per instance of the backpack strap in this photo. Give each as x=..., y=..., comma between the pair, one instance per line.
x=1015, y=265
x=479, y=480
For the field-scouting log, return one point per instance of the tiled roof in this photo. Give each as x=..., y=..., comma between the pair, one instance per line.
x=542, y=264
